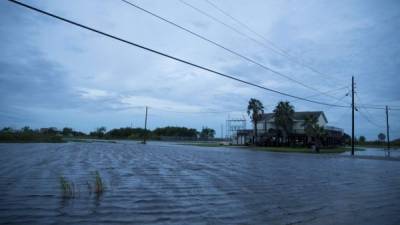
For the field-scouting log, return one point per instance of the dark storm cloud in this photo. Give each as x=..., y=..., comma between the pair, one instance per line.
x=48, y=68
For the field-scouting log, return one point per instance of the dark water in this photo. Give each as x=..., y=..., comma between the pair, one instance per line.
x=172, y=184
x=380, y=152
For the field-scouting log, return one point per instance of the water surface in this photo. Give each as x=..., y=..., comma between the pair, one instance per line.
x=163, y=183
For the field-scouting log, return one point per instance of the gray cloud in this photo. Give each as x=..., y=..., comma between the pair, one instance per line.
x=54, y=74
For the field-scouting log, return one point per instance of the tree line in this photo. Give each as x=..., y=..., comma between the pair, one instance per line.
x=139, y=133
x=52, y=134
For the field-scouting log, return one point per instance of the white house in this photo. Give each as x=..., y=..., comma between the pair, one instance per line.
x=267, y=121
x=266, y=130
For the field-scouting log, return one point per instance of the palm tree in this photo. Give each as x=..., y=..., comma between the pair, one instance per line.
x=309, y=124
x=255, y=109
x=283, y=116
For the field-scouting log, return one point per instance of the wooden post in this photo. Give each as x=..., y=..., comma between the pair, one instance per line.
x=145, y=128
x=352, y=115
x=387, y=128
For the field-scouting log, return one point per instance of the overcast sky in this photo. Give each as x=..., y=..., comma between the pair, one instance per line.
x=55, y=74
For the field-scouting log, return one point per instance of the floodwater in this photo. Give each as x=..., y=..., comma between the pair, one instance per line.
x=380, y=152
x=163, y=183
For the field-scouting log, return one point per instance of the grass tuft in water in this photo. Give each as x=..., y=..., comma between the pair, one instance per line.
x=98, y=186
x=67, y=188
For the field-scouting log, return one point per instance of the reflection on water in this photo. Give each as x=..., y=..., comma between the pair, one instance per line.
x=395, y=153
x=163, y=183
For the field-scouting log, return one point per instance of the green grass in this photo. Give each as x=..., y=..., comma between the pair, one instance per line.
x=377, y=146
x=98, y=184
x=275, y=149
x=67, y=188
x=30, y=139
x=298, y=150
x=305, y=150
x=201, y=144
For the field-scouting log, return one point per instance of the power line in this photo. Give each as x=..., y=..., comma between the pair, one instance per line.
x=316, y=95
x=340, y=99
x=368, y=107
x=369, y=120
x=378, y=106
x=274, y=47
x=359, y=100
x=223, y=47
x=221, y=112
x=329, y=91
x=244, y=25
x=193, y=112
x=170, y=56
x=367, y=116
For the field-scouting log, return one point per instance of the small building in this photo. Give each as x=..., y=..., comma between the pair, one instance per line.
x=243, y=137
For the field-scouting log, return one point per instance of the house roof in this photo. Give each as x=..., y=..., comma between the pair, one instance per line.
x=297, y=115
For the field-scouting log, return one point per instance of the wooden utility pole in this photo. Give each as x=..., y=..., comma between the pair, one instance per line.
x=387, y=128
x=145, y=128
x=352, y=115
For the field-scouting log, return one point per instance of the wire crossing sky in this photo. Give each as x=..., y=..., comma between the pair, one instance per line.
x=175, y=58
x=68, y=77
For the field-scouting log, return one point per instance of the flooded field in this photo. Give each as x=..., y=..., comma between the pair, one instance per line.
x=380, y=152
x=163, y=183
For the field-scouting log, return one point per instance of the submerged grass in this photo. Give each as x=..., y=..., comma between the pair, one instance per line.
x=67, y=188
x=98, y=185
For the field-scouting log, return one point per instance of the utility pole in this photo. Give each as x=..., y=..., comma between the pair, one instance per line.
x=222, y=131
x=145, y=128
x=352, y=115
x=387, y=128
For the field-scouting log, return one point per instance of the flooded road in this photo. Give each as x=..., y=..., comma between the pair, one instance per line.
x=380, y=152
x=163, y=183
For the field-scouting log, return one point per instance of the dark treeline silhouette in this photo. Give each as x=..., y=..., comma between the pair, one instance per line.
x=175, y=132
x=26, y=134
x=126, y=132
x=207, y=133
x=52, y=134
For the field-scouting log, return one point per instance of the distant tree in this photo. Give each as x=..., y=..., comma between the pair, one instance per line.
x=283, y=118
x=362, y=139
x=49, y=130
x=26, y=134
x=381, y=137
x=207, y=133
x=100, y=131
x=7, y=129
x=78, y=134
x=126, y=132
x=67, y=131
x=346, y=138
x=175, y=132
x=26, y=129
x=255, y=109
